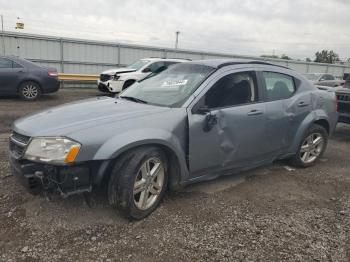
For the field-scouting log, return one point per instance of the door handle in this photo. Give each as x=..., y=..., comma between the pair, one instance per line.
x=255, y=112
x=302, y=104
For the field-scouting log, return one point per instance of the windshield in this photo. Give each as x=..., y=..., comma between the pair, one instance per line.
x=171, y=87
x=312, y=77
x=138, y=64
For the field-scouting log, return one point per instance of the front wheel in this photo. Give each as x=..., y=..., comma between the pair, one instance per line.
x=312, y=147
x=138, y=182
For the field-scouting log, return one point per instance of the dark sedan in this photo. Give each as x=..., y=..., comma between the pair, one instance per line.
x=27, y=79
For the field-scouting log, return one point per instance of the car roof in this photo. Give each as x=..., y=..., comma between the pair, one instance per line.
x=166, y=59
x=317, y=74
x=219, y=63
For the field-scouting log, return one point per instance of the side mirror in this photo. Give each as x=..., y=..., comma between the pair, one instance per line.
x=322, y=79
x=203, y=110
x=147, y=70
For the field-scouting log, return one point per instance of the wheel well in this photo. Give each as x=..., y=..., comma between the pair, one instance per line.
x=128, y=83
x=324, y=123
x=173, y=165
x=29, y=80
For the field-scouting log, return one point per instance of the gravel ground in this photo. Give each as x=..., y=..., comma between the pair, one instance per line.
x=273, y=214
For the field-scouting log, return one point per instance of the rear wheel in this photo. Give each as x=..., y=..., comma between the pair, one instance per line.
x=29, y=90
x=312, y=147
x=138, y=182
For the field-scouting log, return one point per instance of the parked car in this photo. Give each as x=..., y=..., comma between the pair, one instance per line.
x=29, y=80
x=116, y=80
x=343, y=98
x=192, y=122
x=321, y=79
x=347, y=81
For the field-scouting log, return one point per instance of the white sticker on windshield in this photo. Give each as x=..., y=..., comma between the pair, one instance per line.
x=175, y=83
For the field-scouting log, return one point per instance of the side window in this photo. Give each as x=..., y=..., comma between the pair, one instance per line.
x=231, y=90
x=156, y=67
x=328, y=77
x=5, y=63
x=278, y=86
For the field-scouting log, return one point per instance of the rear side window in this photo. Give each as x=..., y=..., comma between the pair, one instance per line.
x=5, y=63
x=278, y=86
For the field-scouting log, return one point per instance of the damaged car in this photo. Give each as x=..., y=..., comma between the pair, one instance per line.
x=192, y=122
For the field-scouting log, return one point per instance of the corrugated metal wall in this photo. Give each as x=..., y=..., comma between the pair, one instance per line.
x=92, y=57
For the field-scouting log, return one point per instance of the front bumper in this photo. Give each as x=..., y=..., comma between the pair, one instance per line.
x=113, y=86
x=66, y=180
x=344, y=118
x=102, y=86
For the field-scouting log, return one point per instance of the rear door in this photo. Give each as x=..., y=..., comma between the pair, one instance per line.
x=10, y=75
x=286, y=108
x=227, y=125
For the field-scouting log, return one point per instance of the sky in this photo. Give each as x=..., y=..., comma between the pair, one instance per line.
x=297, y=28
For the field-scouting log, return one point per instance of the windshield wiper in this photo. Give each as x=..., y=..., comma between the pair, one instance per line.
x=134, y=99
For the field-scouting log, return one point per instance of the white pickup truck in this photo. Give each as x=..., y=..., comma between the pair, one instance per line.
x=116, y=80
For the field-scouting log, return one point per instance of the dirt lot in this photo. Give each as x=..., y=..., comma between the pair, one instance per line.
x=273, y=213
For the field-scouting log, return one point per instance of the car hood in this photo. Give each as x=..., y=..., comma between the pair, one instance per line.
x=342, y=90
x=118, y=71
x=72, y=117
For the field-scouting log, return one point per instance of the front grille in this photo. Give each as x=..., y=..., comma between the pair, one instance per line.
x=104, y=77
x=343, y=97
x=20, y=138
x=18, y=144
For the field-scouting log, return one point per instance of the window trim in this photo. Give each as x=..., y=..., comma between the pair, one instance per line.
x=264, y=88
x=19, y=65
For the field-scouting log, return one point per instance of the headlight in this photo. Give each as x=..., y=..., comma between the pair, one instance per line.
x=116, y=77
x=57, y=150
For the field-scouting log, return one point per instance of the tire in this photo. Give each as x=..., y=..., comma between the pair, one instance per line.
x=128, y=83
x=29, y=90
x=132, y=188
x=312, y=147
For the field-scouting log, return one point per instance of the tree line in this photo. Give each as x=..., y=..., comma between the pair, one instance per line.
x=324, y=56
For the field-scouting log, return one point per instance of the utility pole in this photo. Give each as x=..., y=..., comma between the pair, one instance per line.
x=3, y=35
x=177, y=39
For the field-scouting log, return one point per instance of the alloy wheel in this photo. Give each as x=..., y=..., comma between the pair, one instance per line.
x=311, y=148
x=149, y=183
x=30, y=91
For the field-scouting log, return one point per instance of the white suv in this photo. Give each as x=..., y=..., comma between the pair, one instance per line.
x=116, y=80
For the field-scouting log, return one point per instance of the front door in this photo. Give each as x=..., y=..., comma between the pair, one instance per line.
x=227, y=125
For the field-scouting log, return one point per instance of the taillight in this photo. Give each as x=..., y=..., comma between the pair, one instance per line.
x=52, y=73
